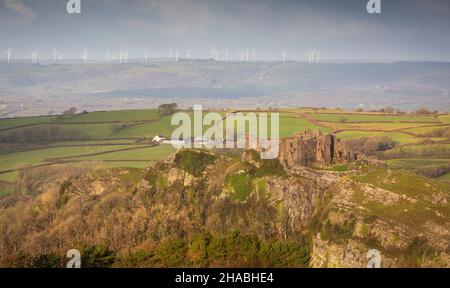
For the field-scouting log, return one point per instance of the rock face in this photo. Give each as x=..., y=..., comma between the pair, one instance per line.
x=312, y=147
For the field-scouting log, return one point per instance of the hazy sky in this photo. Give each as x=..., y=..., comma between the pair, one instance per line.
x=342, y=30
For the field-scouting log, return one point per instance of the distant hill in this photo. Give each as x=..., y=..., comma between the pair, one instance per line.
x=44, y=89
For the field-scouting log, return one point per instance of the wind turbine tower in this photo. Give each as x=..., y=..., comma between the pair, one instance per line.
x=242, y=56
x=188, y=54
x=8, y=55
x=146, y=56
x=34, y=57
x=311, y=56
x=284, y=56
x=55, y=55
x=215, y=54
x=176, y=56
x=85, y=55
x=125, y=56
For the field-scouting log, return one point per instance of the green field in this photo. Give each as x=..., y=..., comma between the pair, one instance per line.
x=445, y=119
x=415, y=163
x=145, y=153
x=17, y=122
x=373, y=126
x=113, y=116
x=361, y=118
x=422, y=130
x=161, y=126
x=35, y=157
x=9, y=177
x=445, y=178
x=419, y=151
x=290, y=125
x=398, y=137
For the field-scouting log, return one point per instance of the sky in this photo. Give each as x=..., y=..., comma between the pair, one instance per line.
x=406, y=30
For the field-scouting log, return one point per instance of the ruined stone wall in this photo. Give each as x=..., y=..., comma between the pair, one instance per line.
x=312, y=147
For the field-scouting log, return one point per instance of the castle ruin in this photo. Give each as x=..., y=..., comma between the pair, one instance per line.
x=314, y=148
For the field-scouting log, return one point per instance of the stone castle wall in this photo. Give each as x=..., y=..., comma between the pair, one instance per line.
x=312, y=147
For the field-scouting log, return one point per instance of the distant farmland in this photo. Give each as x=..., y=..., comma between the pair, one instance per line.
x=121, y=138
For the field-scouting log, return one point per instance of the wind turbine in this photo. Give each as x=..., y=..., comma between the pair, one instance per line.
x=284, y=56
x=57, y=55
x=215, y=54
x=253, y=55
x=176, y=56
x=146, y=56
x=34, y=57
x=85, y=55
x=8, y=55
x=318, y=56
x=242, y=56
x=312, y=56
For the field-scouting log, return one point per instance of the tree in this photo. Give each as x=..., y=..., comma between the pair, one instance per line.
x=167, y=109
x=423, y=110
x=70, y=111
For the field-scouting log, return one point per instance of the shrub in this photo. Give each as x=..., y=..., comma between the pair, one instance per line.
x=418, y=250
x=423, y=110
x=63, y=196
x=167, y=109
x=241, y=183
x=371, y=145
x=270, y=167
x=171, y=253
x=194, y=161
x=97, y=257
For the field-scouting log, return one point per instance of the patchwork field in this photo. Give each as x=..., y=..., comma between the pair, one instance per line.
x=362, y=118
x=121, y=138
